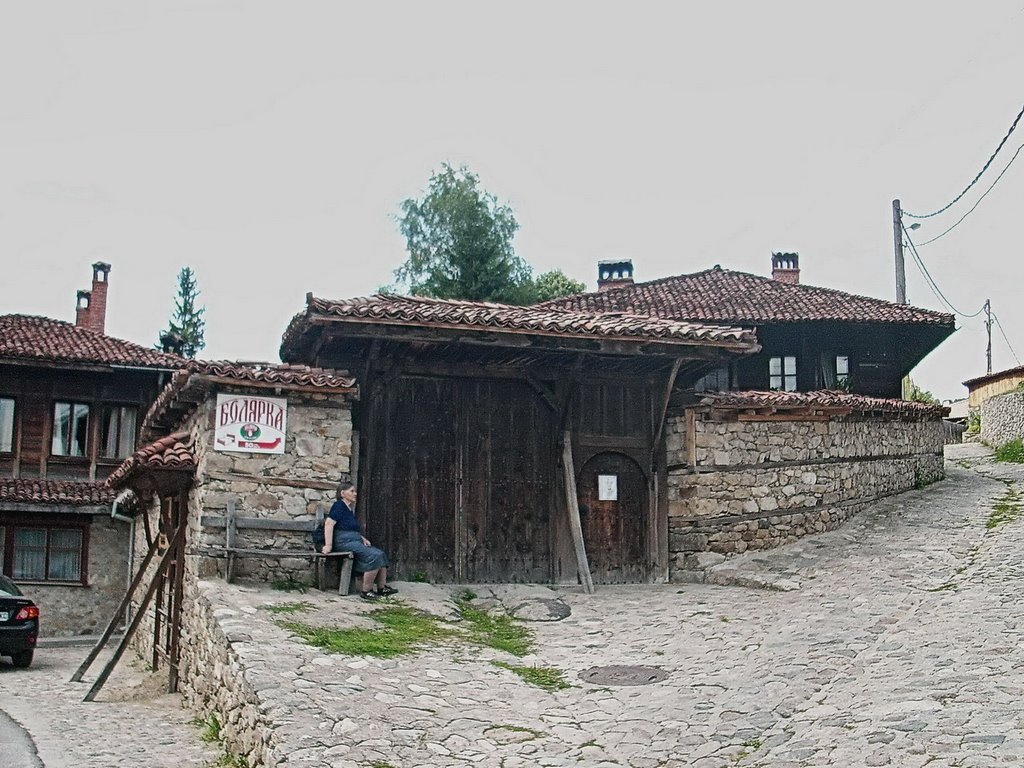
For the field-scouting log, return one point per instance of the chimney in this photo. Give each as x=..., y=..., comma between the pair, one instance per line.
x=91, y=312
x=786, y=268
x=82, y=309
x=614, y=274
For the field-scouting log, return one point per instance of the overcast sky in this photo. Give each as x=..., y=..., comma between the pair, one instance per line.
x=269, y=145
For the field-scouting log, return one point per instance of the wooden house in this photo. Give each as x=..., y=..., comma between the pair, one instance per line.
x=500, y=443
x=71, y=400
x=811, y=338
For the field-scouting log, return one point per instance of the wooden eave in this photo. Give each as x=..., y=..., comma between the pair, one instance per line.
x=779, y=413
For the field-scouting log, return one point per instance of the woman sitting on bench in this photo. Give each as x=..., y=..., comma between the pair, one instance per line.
x=343, y=532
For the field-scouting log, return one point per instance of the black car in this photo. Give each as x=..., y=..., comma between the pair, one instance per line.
x=19, y=624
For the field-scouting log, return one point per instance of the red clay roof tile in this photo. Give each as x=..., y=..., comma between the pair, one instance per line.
x=723, y=296
x=173, y=452
x=67, y=492
x=27, y=337
x=821, y=399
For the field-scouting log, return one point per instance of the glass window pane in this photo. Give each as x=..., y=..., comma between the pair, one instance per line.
x=29, y=554
x=65, y=555
x=108, y=432
x=775, y=366
x=791, y=383
x=790, y=366
x=79, y=429
x=6, y=424
x=775, y=382
x=842, y=365
x=61, y=428
x=126, y=441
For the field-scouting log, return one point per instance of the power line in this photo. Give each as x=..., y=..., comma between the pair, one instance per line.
x=975, y=180
x=1010, y=346
x=941, y=234
x=931, y=281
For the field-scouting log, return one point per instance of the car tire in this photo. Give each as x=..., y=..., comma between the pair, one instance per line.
x=22, y=659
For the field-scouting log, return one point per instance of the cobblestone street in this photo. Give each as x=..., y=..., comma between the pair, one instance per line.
x=895, y=640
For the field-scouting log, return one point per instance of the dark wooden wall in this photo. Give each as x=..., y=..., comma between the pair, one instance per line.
x=35, y=390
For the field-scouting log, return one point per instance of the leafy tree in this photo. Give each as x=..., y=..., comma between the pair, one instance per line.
x=918, y=395
x=459, y=239
x=553, y=284
x=187, y=326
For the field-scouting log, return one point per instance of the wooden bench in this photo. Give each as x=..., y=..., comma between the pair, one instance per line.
x=231, y=551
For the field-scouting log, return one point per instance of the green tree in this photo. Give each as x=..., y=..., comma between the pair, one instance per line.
x=459, y=238
x=918, y=395
x=185, y=334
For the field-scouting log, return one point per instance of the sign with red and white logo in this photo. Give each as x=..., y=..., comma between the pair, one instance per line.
x=250, y=424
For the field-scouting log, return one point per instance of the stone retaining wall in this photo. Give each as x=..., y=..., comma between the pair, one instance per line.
x=736, y=485
x=1002, y=418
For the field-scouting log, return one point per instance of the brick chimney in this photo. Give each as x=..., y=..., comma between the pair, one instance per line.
x=786, y=267
x=91, y=312
x=614, y=274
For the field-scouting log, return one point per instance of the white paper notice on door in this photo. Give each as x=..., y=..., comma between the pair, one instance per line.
x=607, y=487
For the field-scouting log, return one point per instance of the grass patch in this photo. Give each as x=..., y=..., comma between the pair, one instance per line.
x=291, y=607
x=403, y=631
x=548, y=678
x=227, y=760
x=500, y=632
x=948, y=586
x=514, y=729
x=1012, y=452
x=289, y=584
x=1006, y=509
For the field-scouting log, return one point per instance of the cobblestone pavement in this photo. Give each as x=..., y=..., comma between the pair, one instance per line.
x=895, y=640
x=131, y=723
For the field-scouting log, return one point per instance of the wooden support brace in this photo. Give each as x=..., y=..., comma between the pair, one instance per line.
x=572, y=504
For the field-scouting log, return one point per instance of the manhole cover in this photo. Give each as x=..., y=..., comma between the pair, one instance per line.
x=622, y=674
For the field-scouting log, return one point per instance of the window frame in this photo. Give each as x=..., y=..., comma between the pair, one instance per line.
x=842, y=379
x=86, y=446
x=783, y=376
x=10, y=525
x=14, y=426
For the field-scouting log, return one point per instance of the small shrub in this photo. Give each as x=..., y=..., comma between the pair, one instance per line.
x=1012, y=451
x=210, y=728
x=420, y=577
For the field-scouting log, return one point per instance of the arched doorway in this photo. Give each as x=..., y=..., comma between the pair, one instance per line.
x=612, y=493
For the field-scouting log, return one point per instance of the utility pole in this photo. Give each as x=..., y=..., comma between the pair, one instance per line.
x=897, y=234
x=988, y=329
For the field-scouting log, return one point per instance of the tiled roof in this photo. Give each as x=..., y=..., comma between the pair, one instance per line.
x=450, y=313
x=723, y=296
x=26, y=337
x=1007, y=374
x=202, y=374
x=824, y=399
x=173, y=452
x=55, y=492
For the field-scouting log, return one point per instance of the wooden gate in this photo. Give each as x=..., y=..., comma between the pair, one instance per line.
x=462, y=479
x=613, y=512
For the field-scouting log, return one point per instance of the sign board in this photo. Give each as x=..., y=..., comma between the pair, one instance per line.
x=607, y=487
x=250, y=424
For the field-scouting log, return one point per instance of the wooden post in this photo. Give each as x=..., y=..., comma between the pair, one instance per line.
x=231, y=529
x=573, y=505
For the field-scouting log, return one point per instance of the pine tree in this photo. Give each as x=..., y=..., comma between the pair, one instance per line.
x=185, y=334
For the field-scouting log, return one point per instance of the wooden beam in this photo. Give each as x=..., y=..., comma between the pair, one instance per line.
x=573, y=506
x=287, y=482
x=659, y=424
x=543, y=391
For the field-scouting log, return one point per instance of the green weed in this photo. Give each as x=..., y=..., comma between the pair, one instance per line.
x=291, y=607
x=500, y=632
x=1012, y=452
x=1006, y=509
x=514, y=729
x=210, y=728
x=548, y=678
x=289, y=584
x=403, y=631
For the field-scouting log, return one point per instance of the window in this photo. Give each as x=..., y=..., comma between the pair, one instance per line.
x=45, y=553
x=782, y=373
x=715, y=381
x=6, y=424
x=118, y=432
x=70, y=428
x=842, y=370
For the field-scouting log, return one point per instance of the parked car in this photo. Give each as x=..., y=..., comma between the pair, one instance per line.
x=19, y=624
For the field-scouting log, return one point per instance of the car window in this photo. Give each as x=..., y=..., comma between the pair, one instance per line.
x=8, y=588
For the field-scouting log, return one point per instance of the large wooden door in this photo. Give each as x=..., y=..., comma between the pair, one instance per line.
x=614, y=528
x=462, y=480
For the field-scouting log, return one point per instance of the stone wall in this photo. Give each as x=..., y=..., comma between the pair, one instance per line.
x=77, y=610
x=737, y=485
x=1002, y=418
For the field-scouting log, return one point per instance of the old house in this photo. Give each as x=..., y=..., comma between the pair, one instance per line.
x=71, y=400
x=811, y=338
x=981, y=388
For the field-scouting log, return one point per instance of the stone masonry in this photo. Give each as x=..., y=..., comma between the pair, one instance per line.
x=735, y=485
x=1002, y=418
